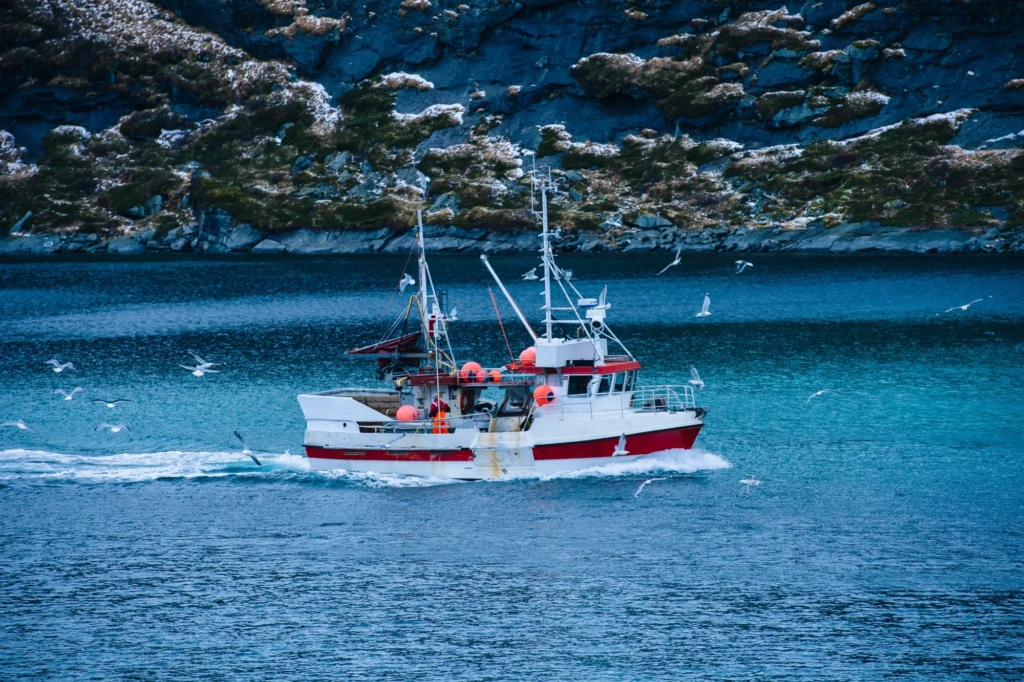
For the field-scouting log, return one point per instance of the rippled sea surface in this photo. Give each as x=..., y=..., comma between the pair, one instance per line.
x=885, y=541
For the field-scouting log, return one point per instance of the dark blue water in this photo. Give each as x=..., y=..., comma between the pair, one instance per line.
x=886, y=539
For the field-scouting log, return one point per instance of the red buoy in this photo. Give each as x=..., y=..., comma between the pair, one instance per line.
x=469, y=371
x=407, y=413
x=528, y=358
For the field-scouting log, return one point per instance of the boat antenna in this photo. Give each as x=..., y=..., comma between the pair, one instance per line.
x=546, y=255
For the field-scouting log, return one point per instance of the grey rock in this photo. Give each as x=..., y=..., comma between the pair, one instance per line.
x=181, y=244
x=337, y=161
x=214, y=221
x=794, y=116
x=269, y=246
x=144, y=236
x=38, y=243
x=320, y=191
x=647, y=221
x=153, y=205
x=307, y=241
x=716, y=167
x=303, y=163
x=18, y=226
x=242, y=238
x=862, y=54
x=125, y=246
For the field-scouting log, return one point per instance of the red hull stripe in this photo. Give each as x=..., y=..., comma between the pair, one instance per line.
x=638, y=444
x=387, y=456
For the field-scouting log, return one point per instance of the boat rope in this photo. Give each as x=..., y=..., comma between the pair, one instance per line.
x=501, y=324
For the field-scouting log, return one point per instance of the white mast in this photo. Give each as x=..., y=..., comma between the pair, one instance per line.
x=547, y=261
x=423, y=270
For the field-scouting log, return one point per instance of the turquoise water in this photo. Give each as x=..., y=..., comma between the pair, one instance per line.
x=884, y=541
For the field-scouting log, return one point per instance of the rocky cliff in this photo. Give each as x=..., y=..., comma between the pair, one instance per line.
x=322, y=125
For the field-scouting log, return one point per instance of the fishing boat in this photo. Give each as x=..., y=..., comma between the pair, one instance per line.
x=568, y=403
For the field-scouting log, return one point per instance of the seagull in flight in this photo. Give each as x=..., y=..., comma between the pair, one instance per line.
x=821, y=393
x=113, y=428
x=704, y=312
x=567, y=275
x=111, y=403
x=956, y=307
x=58, y=366
x=405, y=282
x=741, y=265
x=747, y=483
x=203, y=363
x=22, y=426
x=696, y=380
x=453, y=316
x=531, y=276
x=199, y=370
x=246, y=450
x=68, y=396
x=620, y=448
x=644, y=484
x=677, y=261
x=558, y=233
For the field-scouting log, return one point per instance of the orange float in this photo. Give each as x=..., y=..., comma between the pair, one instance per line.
x=494, y=375
x=528, y=358
x=543, y=395
x=407, y=413
x=469, y=371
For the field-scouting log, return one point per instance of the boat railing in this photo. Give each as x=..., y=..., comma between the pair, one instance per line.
x=666, y=398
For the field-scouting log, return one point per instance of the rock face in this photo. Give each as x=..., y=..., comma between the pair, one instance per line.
x=312, y=126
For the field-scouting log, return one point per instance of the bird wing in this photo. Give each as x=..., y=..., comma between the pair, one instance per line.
x=679, y=250
x=55, y=363
x=666, y=268
x=76, y=389
x=60, y=391
x=707, y=304
x=693, y=373
x=198, y=359
x=603, y=298
x=124, y=426
x=977, y=300
x=104, y=425
x=191, y=369
x=207, y=370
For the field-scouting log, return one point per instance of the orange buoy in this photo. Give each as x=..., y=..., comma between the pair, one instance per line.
x=543, y=395
x=480, y=376
x=494, y=375
x=469, y=371
x=528, y=357
x=407, y=413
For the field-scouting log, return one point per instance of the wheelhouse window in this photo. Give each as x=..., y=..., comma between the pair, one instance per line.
x=606, y=384
x=620, y=380
x=629, y=381
x=578, y=385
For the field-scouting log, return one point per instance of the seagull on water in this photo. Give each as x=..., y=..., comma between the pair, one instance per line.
x=531, y=276
x=58, y=366
x=113, y=428
x=741, y=265
x=199, y=370
x=453, y=316
x=704, y=312
x=68, y=396
x=746, y=483
x=404, y=282
x=821, y=393
x=111, y=403
x=567, y=275
x=677, y=261
x=956, y=307
x=696, y=380
x=246, y=450
x=620, y=448
x=644, y=484
x=22, y=426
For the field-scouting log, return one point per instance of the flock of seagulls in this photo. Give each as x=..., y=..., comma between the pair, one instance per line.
x=201, y=367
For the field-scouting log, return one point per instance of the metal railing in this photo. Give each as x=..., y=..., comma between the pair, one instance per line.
x=663, y=398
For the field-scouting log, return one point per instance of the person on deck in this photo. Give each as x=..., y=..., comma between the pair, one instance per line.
x=438, y=405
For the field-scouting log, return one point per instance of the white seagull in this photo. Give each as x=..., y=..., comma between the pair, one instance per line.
x=704, y=312
x=114, y=428
x=558, y=233
x=741, y=265
x=956, y=307
x=68, y=396
x=677, y=261
x=531, y=276
x=111, y=403
x=203, y=363
x=696, y=380
x=22, y=426
x=746, y=483
x=620, y=449
x=58, y=366
x=567, y=275
x=404, y=282
x=644, y=484
x=821, y=393
x=199, y=371
x=246, y=450
x=453, y=316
